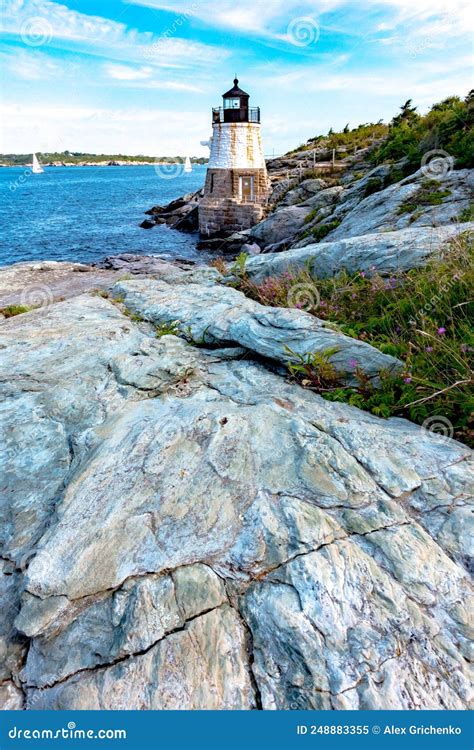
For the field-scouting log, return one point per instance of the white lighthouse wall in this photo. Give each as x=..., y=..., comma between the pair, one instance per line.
x=236, y=145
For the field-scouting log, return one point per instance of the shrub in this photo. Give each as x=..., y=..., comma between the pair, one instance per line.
x=422, y=316
x=448, y=126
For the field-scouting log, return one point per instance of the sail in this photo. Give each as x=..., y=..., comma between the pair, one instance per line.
x=187, y=165
x=37, y=168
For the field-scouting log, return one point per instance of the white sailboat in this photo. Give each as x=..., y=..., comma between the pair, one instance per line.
x=36, y=168
x=188, y=167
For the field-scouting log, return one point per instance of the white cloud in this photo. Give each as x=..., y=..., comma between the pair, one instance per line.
x=29, y=65
x=48, y=23
x=154, y=132
x=146, y=76
x=262, y=17
x=126, y=73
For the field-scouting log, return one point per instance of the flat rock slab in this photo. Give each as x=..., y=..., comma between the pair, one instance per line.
x=219, y=314
x=40, y=284
x=384, y=252
x=189, y=530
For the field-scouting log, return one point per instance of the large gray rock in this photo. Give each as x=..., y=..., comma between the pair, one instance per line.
x=383, y=210
x=284, y=223
x=385, y=252
x=302, y=192
x=217, y=537
x=219, y=314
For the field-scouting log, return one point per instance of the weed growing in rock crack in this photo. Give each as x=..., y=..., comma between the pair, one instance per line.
x=467, y=214
x=322, y=230
x=11, y=310
x=422, y=316
x=315, y=370
x=429, y=194
x=220, y=264
x=135, y=317
x=168, y=329
x=238, y=267
x=100, y=293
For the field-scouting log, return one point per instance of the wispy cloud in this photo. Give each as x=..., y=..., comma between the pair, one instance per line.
x=248, y=15
x=148, y=76
x=29, y=65
x=68, y=29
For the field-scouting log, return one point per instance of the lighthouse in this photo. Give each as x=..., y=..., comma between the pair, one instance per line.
x=237, y=183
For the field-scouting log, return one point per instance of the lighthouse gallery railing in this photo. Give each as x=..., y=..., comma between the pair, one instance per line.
x=253, y=114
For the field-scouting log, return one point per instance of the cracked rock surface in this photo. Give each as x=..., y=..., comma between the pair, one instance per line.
x=183, y=528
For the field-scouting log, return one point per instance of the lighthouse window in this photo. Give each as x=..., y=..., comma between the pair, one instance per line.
x=232, y=103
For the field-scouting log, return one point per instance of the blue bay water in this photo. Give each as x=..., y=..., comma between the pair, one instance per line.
x=86, y=213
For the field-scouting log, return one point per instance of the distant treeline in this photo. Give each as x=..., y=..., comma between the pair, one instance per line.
x=76, y=157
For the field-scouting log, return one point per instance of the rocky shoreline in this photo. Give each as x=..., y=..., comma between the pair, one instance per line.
x=186, y=526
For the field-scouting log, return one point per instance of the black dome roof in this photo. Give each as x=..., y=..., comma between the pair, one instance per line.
x=235, y=91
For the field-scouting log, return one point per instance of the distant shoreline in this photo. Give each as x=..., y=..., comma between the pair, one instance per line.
x=101, y=164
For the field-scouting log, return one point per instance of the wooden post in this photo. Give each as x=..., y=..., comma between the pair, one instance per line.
x=333, y=157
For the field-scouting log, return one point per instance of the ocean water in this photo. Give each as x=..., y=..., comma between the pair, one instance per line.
x=86, y=213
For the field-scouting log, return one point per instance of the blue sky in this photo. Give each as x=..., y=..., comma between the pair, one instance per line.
x=141, y=76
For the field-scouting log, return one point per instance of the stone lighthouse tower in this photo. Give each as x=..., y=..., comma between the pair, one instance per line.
x=236, y=182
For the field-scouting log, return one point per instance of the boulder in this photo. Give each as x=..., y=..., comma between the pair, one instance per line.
x=216, y=314
x=250, y=248
x=303, y=191
x=385, y=252
x=398, y=206
x=280, y=225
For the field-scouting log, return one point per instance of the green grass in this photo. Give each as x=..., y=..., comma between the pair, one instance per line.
x=467, y=214
x=422, y=316
x=322, y=230
x=11, y=310
x=429, y=194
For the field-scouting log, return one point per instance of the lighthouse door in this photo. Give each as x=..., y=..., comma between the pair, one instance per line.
x=246, y=188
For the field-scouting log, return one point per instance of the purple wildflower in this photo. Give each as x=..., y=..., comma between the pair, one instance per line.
x=428, y=349
x=441, y=331
x=352, y=363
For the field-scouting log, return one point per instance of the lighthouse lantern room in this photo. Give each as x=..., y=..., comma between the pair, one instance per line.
x=236, y=181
